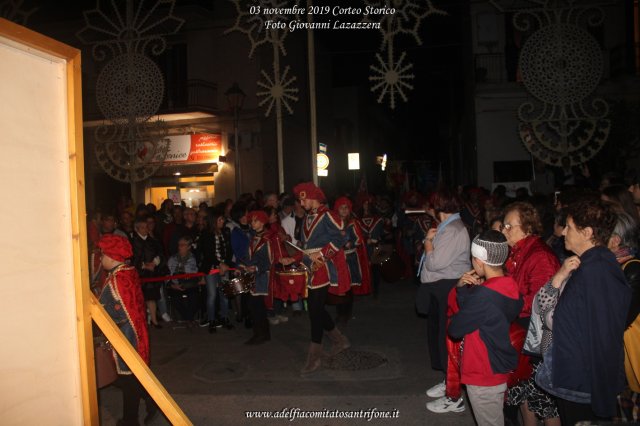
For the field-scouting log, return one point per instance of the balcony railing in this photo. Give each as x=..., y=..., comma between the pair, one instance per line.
x=193, y=94
x=490, y=68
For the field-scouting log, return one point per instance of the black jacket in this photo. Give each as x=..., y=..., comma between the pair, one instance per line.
x=588, y=327
x=144, y=251
x=207, y=248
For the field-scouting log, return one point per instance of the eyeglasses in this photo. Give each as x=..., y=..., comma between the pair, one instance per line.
x=508, y=226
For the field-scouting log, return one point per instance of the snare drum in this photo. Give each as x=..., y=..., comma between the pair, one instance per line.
x=237, y=285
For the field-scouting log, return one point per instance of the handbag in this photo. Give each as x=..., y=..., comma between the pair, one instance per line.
x=105, y=365
x=533, y=341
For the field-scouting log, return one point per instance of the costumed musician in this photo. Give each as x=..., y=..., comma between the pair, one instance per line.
x=123, y=300
x=372, y=226
x=322, y=242
x=264, y=251
x=356, y=255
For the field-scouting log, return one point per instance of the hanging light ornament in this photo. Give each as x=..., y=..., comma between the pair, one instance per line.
x=276, y=88
x=561, y=66
x=130, y=147
x=392, y=76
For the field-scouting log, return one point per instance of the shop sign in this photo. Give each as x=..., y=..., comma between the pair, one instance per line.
x=196, y=148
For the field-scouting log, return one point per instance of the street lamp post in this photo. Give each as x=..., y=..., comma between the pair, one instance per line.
x=235, y=99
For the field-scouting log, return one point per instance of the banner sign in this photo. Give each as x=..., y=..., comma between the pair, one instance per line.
x=197, y=148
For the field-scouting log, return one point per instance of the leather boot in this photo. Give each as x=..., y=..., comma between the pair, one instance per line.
x=339, y=342
x=314, y=359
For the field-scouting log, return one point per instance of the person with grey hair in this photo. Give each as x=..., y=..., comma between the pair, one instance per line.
x=624, y=245
x=184, y=291
x=488, y=302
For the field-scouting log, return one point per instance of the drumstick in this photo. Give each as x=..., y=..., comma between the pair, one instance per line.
x=294, y=246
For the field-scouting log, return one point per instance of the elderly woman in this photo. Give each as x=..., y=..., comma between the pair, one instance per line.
x=624, y=245
x=184, y=291
x=587, y=309
x=122, y=298
x=531, y=263
x=445, y=259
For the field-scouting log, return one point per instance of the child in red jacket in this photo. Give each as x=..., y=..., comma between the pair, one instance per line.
x=488, y=303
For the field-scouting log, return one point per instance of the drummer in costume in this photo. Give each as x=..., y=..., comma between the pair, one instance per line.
x=356, y=256
x=372, y=226
x=264, y=251
x=122, y=298
x=322, y=242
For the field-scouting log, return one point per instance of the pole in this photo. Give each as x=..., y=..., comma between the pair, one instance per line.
x=311, y=57
x=276, y=67
x=237, y=146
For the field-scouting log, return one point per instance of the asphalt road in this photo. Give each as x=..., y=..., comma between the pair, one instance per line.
x=216, y=379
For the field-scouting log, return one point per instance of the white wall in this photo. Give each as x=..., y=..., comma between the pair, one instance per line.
x=39, y=362
x=497, y=130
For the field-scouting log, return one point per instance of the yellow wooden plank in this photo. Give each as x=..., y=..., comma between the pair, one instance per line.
x=79, y=240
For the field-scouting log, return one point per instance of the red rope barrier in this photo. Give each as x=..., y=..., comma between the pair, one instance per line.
x=180, y=276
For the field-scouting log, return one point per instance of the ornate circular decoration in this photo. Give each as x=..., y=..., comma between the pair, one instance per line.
x=133, y=152
x=561, y=64
x=130, y=87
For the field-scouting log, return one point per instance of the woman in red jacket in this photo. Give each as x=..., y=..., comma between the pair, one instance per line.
x=531, y=263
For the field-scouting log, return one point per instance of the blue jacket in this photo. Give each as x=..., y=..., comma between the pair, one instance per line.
x=588, y=327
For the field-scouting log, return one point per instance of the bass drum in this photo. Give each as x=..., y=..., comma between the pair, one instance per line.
x=381, y=253
x=392, y=269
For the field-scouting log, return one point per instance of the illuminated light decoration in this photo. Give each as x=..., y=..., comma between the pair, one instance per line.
x=562, y=66
x=381, y=160
x=130, y=146
x=276, y=89
x=353, y=160
x=323, y=173
x=281, y=91
x=323, y=161
x=389, y=79
x=392, y=75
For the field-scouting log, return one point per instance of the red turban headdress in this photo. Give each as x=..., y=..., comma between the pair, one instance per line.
x=308, y=190
x=342, y=201
x=116, y=247
x=260, y=215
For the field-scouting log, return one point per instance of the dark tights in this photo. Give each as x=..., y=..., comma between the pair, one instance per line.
x=132, y=393
x=257, y=309
x=318, y=315
x=573, y=412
